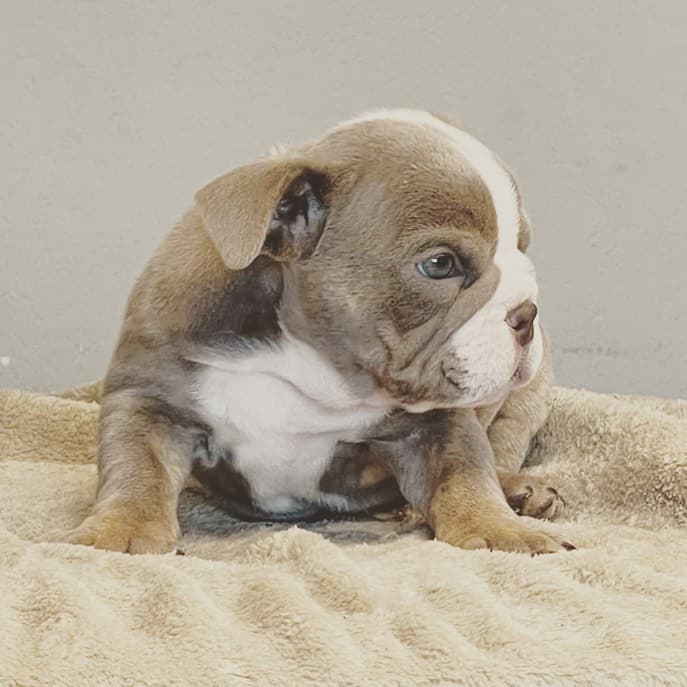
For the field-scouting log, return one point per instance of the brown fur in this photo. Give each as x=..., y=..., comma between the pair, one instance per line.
x=239, y=260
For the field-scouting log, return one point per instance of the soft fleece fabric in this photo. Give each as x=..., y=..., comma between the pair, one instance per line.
x=351, y=603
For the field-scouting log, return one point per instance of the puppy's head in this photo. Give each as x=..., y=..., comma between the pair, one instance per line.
x=402, y=240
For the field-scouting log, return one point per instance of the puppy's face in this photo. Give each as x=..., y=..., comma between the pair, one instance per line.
x=417, y=279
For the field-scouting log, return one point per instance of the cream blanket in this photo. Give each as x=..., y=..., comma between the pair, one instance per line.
x=352, y=603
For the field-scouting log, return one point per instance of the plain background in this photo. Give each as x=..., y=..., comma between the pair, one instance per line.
x=113, y=114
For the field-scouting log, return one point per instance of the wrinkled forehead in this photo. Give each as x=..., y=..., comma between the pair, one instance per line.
x=436, y=172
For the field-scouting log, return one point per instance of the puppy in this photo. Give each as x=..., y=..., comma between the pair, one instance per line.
x=329, y=330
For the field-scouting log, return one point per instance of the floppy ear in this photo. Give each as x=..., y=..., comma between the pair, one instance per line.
x=275, y=206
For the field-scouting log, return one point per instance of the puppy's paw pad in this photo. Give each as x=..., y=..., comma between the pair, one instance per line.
x=533, y=496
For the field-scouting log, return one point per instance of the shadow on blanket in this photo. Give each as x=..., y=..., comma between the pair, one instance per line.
x=351, y=602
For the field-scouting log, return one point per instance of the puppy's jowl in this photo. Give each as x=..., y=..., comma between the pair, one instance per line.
x=333, y=329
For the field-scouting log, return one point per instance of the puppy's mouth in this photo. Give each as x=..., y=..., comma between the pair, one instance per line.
x=454, y=375
x=520, y=376
x=523, y=373
x=519, y=372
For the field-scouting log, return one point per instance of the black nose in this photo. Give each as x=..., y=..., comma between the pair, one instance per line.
x=521, y=321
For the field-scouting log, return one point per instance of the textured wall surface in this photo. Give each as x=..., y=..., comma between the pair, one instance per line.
x=115, y=113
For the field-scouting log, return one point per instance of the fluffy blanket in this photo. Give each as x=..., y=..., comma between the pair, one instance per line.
x=353, y=602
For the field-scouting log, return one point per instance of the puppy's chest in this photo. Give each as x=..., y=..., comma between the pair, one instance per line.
x=279, y=412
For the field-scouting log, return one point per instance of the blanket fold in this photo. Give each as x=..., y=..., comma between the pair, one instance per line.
x=351, y=602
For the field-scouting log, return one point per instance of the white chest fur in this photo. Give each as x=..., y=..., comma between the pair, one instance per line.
x=281, y=410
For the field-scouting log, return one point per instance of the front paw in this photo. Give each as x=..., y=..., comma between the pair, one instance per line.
x=118, y=530
x=516, y=535
x=531, y=495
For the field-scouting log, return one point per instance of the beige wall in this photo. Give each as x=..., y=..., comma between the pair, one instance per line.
x=113, y=114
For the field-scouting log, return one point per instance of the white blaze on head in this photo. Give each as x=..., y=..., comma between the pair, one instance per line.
x=484, y=346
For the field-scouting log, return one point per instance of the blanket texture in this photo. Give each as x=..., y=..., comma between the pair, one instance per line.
x=351, y=602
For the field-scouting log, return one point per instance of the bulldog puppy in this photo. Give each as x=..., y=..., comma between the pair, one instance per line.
x=329, y=330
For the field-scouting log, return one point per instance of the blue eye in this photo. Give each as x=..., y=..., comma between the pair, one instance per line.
x=442, y=266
